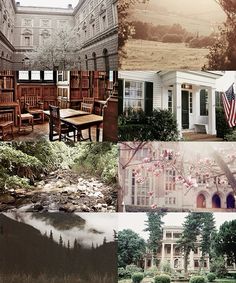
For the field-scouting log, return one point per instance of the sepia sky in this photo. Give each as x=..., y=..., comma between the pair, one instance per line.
x=135, y=221
x=51, y=3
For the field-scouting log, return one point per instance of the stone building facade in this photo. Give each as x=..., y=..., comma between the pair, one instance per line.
x=213, y=194
x=95, y=22
x=170, y=252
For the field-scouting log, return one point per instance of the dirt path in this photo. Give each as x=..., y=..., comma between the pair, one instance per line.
x=152, y=55
x=62, y=190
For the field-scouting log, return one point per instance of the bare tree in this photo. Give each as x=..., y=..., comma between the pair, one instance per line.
x=59, y=51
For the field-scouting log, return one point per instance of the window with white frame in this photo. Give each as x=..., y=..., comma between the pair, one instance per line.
x=133, y=95
x=170, y=100
x=62, y=76
x=48, y=75
x=35, y=75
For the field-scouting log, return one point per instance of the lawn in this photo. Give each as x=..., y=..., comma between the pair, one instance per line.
x=152, y=55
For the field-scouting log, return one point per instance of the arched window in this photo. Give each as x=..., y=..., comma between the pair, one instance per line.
x=201, y=201
x=230, y=201
x=106, y=59
x=95, y=61
x=216, y=201
x=204, y=102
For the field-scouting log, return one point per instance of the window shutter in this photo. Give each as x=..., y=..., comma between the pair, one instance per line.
x=148, y=97
x=120, y=96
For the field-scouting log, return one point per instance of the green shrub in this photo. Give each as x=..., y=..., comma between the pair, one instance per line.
x=222, y=127
x=132, y=268
x=151, y=272
x=137, y=277
x=197, y=279
x=123, y=273
x=211, y=277
x=99, y=159
x=164, y=278
x=218, y=267
x=159, y=125
x=172, y=38
x=166, y=268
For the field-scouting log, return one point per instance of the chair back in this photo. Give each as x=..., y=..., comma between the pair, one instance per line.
x=87, y=107
x=31, y=101
x=63, y=103
x=55, y=117
x=89, y=100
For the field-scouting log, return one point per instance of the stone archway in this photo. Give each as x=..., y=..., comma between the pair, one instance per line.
x=201, y=201
x=230, y=201
x=216, y=201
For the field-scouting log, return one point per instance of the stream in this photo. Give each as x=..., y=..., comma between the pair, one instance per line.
x=62, y=190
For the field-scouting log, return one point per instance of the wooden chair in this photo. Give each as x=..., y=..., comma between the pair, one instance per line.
x=89, y=100
x=34, y=107
x=57, y=127
x=24, y=117
x=87, y=107
x=6, y=125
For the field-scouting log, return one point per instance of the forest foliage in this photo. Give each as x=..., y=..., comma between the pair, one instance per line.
x=21, y=164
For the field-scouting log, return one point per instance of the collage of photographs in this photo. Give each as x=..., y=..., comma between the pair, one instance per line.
x=117, y=141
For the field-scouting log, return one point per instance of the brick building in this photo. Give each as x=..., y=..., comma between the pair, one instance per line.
x=96, y=22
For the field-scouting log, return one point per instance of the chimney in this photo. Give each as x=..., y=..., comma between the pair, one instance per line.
x=70, y=6
x=17, y=4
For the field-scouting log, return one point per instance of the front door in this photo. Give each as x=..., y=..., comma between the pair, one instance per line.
x=185, y=109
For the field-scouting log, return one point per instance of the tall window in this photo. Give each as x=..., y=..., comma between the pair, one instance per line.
x=203, y=102
x=115, y=12
x=170, y=100
x=27, y=41
x=169, y=178
x=103, y=22
x=134, y=95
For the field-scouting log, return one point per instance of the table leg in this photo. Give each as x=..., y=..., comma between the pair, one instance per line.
x=97, y=133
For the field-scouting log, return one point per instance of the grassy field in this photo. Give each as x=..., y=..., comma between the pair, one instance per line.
x=149, y=280
x=152, y=55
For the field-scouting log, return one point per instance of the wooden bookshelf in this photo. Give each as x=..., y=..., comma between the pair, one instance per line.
x=8, y=104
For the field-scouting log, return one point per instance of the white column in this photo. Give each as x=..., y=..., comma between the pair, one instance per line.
x=163, y=252
x=178, y=106
x=172, y=256
x=212, y=112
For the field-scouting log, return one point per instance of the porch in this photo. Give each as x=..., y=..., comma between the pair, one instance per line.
x=190, y=95
x=193, y=136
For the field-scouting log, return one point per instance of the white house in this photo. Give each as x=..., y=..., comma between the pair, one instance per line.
x=191, y=95
x=170, y=252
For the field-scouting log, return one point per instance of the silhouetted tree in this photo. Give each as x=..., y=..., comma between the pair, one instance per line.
x=60, y=241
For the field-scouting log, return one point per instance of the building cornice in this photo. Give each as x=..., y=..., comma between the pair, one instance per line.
x=100, y=36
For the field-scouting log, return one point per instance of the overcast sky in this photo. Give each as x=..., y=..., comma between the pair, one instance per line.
x=135, y=221
x=51, y=3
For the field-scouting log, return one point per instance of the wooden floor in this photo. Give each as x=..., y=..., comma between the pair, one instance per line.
x=190, y=136
x=41, y=132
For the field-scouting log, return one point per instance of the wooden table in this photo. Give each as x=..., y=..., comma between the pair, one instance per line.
x=64, y=113
x=67, y=112
x=85, y=122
